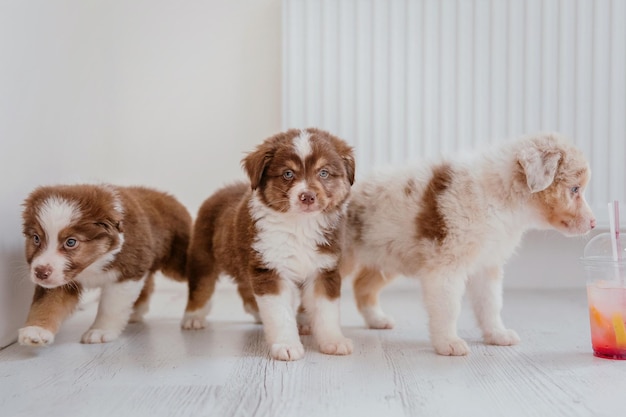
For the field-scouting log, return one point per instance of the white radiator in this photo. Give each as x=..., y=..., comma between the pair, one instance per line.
x=402, y=79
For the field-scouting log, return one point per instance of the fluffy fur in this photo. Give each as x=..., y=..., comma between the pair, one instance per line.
x=454, y=223
x=88, y=236
x=279, y=237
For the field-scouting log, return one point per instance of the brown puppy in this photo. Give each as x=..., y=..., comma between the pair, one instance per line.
x=455, y=223
x=87, y=236
x=279, y=238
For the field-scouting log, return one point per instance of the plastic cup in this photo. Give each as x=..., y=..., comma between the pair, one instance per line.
x=606, y=296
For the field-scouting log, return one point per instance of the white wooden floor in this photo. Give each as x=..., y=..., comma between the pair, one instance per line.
x=156, y=369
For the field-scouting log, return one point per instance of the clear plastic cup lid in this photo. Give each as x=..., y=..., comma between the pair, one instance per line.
x=600, y=249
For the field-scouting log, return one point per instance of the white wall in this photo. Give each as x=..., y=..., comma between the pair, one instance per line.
x=162, y=93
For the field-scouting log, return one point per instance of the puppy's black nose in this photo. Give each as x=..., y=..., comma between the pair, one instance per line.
x=307, y=198
x=42, y=272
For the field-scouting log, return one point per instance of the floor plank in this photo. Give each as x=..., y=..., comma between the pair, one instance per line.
x=155, y=369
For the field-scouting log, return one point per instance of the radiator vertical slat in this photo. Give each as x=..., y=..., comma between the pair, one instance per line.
x=404, y=79
x=617, y=100
x=397, y=47
x=465, y=75
x=499, y=86
x=600, y=90
x=415, y=76
x=567, y=68
x=346, y=33
x=549, y=64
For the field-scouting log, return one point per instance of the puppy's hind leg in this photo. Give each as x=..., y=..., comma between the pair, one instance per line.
x=142, y=304
x=486, y=295
x=249, y=303
x=202, y=276
x=116, y=304
x=368, y=283
x=443, y=293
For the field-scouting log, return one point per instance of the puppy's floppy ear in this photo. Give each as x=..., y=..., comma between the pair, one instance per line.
x=111, y=224
x=344, y=150
x=539, y=167
x=255, y=163
x=348, y=160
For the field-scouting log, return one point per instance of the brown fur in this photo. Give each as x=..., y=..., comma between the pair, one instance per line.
x=225, y=231
x=156, y=229
x=431, y=223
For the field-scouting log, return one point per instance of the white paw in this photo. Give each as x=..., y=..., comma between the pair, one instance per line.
x=99, y=336
x=135, y=317
x=35, y=336
x=138, y=313
x=505, y=337
x=193, y=321
x=287, y=352
x=342, y=346
x=376, y=319
x=451, y=347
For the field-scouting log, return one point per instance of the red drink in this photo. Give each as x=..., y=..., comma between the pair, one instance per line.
x=607, y=318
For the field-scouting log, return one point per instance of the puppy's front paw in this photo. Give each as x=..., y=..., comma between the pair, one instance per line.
x=342, y=346
x=287, y=352
x=35, y=336
x=193, y=322
x=505, y=337
x=451, y=347
x=99, y=336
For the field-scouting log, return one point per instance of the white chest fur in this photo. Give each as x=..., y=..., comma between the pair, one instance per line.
x=288, y=243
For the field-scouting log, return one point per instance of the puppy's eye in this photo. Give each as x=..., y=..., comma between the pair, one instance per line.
x=288, y=175
x=324, y=173
x=71, y=243
x=575, y=190
x=36, y=239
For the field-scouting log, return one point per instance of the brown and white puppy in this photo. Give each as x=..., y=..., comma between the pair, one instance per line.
x=88, y=236
x=279, y=237
x=455, y=223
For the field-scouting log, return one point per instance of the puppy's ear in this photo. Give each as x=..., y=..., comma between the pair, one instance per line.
x=111, y=224
x=539, y=167
x=345, y=151
x=348, y=160
x=255, y=163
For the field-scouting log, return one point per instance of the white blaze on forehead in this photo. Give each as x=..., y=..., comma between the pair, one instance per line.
x=55, y=214
x=302, y=145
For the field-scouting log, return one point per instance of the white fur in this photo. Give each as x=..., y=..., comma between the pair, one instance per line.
x=35, y=336
x=54, y=215
x=114, y=310
x=278, y=314
x=302, y=145
x=486, y=211
x=95, y=275
x=324, y=323
x=288, y=242
x=195, y=320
